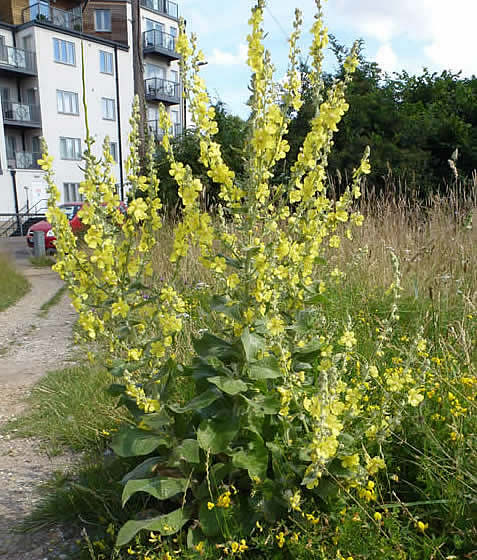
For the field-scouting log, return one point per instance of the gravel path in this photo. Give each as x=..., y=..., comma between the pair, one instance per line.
x=29, y=347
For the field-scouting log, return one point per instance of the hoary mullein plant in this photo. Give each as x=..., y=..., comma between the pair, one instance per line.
x=286, y=412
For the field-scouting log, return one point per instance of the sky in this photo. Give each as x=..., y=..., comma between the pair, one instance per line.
x=398, y=35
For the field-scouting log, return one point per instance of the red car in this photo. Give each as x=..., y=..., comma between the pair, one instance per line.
x=71, y=211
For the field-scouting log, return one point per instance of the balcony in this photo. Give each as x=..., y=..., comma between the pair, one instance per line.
x=164, y=91
x=158, y=132
x=21, y=115
x=24, y=160
x=43, y=12
x=158, y=42
x=17, y=61
x=165, y=7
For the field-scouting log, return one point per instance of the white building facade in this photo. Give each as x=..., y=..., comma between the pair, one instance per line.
x=42, y=94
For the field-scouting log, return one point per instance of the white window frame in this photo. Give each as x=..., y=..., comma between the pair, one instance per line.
x=65, y=50
x=102, y=23
x=70, y=148
x=108, y=108
x=71, y=194
x=106, y=62
x=67, y=102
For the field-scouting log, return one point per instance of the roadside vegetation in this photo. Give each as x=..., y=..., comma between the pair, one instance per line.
x=13, y=285
x=284, y=369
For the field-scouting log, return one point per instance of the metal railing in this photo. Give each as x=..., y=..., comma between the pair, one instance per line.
x=42, y=11
x=15, y=111
x=18, y=59
x=162, y=7
x=158, y=132
x=161, y=89
x=17, y=222
x=158, y=38
x=24, y=160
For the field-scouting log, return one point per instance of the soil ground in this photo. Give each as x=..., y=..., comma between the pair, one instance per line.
x=30, y=346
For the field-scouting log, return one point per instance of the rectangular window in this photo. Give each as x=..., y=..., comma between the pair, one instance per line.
x=67, y=102
x=64, y=51
x=70, y=148
x=71, y=192
x=105, y=62
x=174, y=76
x=102, y=20
x=114, y=150
x=109, y=109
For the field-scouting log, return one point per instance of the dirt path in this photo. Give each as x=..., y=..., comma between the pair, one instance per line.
x=30, y=346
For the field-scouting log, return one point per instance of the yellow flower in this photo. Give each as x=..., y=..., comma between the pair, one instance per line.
x=200, y=546
x=422, y=526
x=415, y=397
x=377, y=516
x=350, y=461
x=138, y=208
x=348, y=339
x=275, y=326
x=210, y=505
x=281, y=539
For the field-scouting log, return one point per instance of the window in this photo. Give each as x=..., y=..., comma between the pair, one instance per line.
x=105, y=62
x=64, y=51
x=71, y=192
x=67, y=102
x=70, y=148
x=109, y=112
x=102, y=20
x=113, y=147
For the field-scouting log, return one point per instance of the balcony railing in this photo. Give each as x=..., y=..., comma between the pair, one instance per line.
x=41, y=11
x=17, y=60
x=155, y=40
x=158, y=132
x=24, y=160
x=162, y=7
x=21, y=114
x=158, y=89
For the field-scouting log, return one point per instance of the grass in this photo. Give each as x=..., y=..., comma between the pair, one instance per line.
x=55, y=298
x=70, y=409
x=42, y=261
x=13, y=285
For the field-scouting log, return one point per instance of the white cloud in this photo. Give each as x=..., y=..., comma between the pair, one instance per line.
x=223, y=58
x=386, y=58
x=446, y=29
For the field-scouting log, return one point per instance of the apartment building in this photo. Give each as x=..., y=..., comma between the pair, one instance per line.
x=43, y=44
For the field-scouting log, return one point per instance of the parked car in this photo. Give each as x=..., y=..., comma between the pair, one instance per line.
x=71, y=211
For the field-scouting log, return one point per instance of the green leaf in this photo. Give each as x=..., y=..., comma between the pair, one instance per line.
x=160, y=488
x=252, y=343
x=201, y=401
x=216, y=434
x=221, y=304
x=156, y=420
x=211, y=521
x=146, y=468
x=269, y=404
x=228, y=385
x=118, y=368
x=165, y=524
x=188, y=450
x=267, y=368
x=211, y=346
x=254, y=459
x=130, y=442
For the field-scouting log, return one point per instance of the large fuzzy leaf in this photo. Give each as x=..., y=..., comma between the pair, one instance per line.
x=131, y=442
x=167, y=524
x=216, y=434
x=160, y=488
